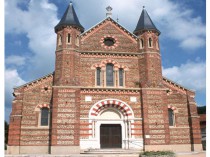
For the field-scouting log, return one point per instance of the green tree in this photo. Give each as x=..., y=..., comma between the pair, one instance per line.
x=201, y=109
x=6, y=130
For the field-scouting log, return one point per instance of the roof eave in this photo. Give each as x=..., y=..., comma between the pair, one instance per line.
x=33, y=81
x=146, y=29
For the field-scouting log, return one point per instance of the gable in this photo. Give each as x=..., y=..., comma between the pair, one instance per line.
x=176, y=87
x=93, y=39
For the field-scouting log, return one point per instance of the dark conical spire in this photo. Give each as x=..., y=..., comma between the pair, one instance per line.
x=69, y=19
x=145, y=23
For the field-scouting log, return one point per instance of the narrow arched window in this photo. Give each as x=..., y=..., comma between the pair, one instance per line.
x=109, y=75
x=44, y=116
x=121, y=77
x=171, y=117
x=98, y=76
x=141, y=43
x=157, y=45
x=60, y=40
x=77, y=40
x=150, y=42
x=68, y=38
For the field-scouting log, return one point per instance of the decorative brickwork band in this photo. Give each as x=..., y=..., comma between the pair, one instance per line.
x=120, y=105
x=103, y=63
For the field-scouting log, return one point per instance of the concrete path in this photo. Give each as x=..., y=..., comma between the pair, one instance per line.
x=191, y=154
x=179, y=154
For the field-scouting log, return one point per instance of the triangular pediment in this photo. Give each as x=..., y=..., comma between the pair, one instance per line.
x=125, y=41
x=88, y=32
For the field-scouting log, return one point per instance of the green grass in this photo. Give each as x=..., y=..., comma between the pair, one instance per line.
x=158, y=153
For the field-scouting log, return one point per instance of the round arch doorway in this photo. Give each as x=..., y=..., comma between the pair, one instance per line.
x=110, y=128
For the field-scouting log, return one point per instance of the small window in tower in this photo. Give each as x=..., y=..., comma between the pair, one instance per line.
x=60, y=40
x=68, y=38
x=150, y=42
x=141, y=43
x=98, y=76
x=171, y=117
x=44, y=116
x=121, y=77
x=157, y=45
x=77, y=40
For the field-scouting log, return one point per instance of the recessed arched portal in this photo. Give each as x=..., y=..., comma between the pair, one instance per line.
x=112, y=120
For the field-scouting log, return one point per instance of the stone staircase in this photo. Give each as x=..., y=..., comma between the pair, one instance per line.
x=113, y=152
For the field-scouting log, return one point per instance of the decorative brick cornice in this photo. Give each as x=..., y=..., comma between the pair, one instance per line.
x=177, y=87
x=107, y=90
x=36, y=82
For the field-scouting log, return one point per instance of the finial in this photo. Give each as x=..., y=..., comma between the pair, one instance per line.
x=109, y=11
x=117, y=19
x=143, y=6
x=70, y=3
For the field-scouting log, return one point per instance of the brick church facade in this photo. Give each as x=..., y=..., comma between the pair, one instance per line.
x=107, y=91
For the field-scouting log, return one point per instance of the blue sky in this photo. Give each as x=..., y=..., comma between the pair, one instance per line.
x=30, y=38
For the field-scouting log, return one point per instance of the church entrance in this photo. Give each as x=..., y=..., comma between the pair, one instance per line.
x=111, y=136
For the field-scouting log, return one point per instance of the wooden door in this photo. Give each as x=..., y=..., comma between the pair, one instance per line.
x=111, y=136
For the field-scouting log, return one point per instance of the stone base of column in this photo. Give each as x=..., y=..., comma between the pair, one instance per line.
x=65, y=150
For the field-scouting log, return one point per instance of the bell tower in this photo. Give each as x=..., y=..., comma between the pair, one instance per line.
x=68, y=31
x=153, y=94
x=150, y=59
x=65, y=117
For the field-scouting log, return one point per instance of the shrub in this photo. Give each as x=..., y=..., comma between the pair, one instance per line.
x=158, y=153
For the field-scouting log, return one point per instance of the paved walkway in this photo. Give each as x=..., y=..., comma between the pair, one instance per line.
x=191, y=154
x=179, y=154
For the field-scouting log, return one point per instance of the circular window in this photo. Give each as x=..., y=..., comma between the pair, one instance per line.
x=109, y=41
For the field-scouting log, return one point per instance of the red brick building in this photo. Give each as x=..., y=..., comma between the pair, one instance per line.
x=107, y=91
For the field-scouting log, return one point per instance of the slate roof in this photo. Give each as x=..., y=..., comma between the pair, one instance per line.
x=145, y=23
x=69, y=19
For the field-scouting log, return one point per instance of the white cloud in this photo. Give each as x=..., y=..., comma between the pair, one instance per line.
x=174, y=20
x=37, y=22
x=15, y=60
x=191, y=75
x=12, y=79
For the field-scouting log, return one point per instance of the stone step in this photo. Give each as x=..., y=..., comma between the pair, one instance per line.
x=111, y=151
x=77, y=155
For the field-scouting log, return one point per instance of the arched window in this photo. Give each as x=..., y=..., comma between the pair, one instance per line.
x=60, y=40
x=157, y=45
x=171, y=117
x=150, y=42
x=98, y=76
x=44, y=116
x=141, y=43
x=121, y=77
x=109, y=75
x=77, y=40
x=68, y=39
